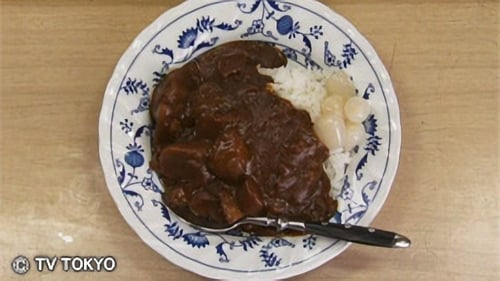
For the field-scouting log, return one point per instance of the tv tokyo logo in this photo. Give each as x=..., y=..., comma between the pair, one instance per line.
x=21, y=264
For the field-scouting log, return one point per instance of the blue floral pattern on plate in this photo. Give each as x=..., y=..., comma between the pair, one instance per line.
x=308, y=38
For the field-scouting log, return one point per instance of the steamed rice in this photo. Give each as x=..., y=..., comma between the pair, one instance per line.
x=305, y=89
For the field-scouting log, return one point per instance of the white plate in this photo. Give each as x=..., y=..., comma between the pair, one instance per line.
x=312, y=35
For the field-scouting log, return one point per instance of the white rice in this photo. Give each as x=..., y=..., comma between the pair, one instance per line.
x=305, y=89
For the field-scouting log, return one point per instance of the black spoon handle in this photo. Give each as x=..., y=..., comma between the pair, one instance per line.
x=359, y=234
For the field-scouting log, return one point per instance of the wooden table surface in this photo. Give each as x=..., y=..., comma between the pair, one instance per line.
x=57, y=57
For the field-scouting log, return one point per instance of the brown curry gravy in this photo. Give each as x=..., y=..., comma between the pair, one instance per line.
x=226, y=146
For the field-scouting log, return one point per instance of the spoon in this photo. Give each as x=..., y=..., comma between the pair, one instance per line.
x=348, y=232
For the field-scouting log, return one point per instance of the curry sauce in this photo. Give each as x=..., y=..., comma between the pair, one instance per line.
x=226, y=146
